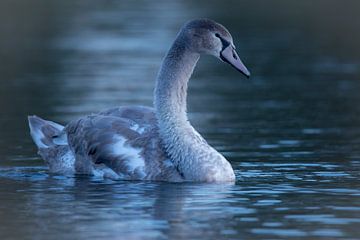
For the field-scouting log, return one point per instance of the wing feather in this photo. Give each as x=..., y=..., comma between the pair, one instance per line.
x=125, y=139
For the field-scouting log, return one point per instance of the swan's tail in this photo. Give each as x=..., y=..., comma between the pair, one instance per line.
x=44, y=133
x=53, y=146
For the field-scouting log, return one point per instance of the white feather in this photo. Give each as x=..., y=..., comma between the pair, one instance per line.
x=132, y=156
x=137, y=128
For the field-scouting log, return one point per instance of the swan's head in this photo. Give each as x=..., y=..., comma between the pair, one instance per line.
x=209, y=37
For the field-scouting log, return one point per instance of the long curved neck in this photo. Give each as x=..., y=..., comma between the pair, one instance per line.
x=189, y=152
x=170, y=99
x=171, y=85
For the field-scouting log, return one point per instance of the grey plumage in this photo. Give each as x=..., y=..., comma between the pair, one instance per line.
x=143, y=143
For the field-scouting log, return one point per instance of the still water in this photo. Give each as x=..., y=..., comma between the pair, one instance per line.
x=291, y=132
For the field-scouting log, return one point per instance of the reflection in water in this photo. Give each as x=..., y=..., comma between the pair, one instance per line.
x=111, y=209
x=291, y=132
x=264, y=205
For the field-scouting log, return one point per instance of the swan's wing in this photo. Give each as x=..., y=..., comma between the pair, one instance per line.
x=143, y=116
x=99, y=139
x=130, y=148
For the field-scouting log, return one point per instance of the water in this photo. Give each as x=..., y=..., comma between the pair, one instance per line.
x=291, y=132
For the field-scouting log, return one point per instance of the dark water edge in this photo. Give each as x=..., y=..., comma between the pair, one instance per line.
x=291, y=132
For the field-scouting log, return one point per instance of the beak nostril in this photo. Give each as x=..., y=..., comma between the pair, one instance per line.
x=234, y=56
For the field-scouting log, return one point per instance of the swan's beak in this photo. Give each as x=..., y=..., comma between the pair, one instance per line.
x=230, y=56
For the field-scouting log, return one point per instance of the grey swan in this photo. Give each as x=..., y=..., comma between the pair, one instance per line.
x=144, y=143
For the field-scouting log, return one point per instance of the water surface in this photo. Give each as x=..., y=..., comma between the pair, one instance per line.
x=291, y=132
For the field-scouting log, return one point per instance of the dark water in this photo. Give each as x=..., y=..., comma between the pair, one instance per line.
x=291, y=132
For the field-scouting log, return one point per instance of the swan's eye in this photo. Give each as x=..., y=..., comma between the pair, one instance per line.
x=217, y=35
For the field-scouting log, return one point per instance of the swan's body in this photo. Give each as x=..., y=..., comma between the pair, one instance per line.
x=143, y=143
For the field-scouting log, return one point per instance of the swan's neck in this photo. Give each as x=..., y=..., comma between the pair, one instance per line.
x=190, y=153
x=171, y=86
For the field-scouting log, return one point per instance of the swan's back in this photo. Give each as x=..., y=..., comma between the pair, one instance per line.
x=121, y=143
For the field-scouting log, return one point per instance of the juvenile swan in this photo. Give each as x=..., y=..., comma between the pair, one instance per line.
x=143, y=143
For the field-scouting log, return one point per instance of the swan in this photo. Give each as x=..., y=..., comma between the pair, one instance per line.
x=144, y=143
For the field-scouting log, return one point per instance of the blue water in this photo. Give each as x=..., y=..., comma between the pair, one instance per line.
x=291, y=132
